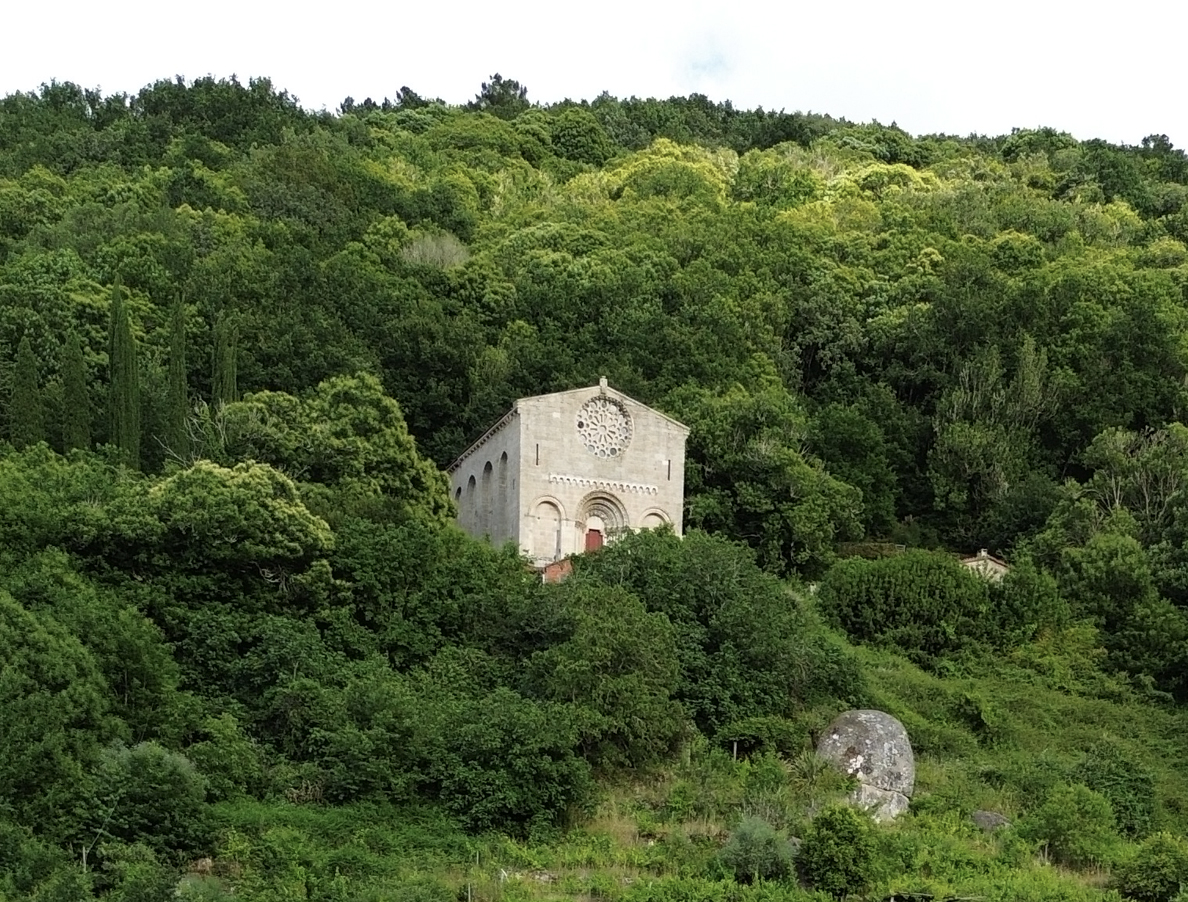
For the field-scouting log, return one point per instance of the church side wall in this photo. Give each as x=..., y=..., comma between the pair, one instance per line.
x=485, y=487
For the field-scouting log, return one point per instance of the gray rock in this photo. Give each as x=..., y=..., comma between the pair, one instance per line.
x=873, y=747
x=990, y=820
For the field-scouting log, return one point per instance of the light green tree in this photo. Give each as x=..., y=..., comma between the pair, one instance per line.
x=347, y=441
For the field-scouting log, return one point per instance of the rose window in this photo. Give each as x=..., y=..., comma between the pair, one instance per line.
x=604, y=427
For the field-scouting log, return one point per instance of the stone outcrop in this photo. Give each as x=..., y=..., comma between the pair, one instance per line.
x=990, y=821
x=873, y=747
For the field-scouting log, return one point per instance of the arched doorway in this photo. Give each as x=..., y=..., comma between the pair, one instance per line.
x=601, y=517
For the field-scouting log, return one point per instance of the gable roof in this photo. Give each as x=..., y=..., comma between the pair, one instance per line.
x=987, y=557
x=604, y=389
x=601, y=387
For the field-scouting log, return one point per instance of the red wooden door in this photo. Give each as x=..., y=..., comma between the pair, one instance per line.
x=593, y=539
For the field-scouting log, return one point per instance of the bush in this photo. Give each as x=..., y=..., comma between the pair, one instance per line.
x=925, y=604
x=1156, y=871
x=755, y=851
x=1075, y=825
x=748, y=650
x=1111, y=769
x=148, y=794
x=838, y=852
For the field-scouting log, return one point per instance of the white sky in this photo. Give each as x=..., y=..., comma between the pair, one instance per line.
x=1113, y=71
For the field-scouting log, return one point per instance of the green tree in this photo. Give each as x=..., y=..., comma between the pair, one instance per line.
x=126, y=646
x=249, y=518
x=497, y=760
x=348, y=444
x=749, y=479
x=923, y=603
x=54, y=716
x=747, y=649
x=26, y=415
x=177, y=437
x=503, y=97
x=1110, y=580
x=578, y=136
x=985, y=448
x=225, y=375
x=76, y=401
x=1113, y=770
x=619, y=664
x=123, y=406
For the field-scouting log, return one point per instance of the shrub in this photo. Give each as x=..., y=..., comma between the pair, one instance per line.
x=1111, y=769
x=150, y=795
x=923, y=603
x=1075, y=825
x=1156, y=871
x=755, y=851
x=838, y=852
x=748, y=651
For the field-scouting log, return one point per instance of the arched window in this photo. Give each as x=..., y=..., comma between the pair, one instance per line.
x=468, y=519
x=486, y=500
x=546, y=531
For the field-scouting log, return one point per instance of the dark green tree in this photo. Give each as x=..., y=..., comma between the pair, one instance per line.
x=225, y=380
x=53, y=704
x=123, y=408
x=26, y=419
x=578, y=136
x=1075, y=825
x=76, y=403
x=503, y=97
x=177, y=436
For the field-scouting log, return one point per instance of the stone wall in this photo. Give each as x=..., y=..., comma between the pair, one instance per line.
x=485, y=484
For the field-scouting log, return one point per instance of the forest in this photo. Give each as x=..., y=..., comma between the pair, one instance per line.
x=248, y=655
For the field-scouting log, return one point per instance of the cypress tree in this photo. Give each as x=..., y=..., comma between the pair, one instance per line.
x=76, y=424
x=225, y=378
x=26, y=419
x=178, y=436
x=123, y=409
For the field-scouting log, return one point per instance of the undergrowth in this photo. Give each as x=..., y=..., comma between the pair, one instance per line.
x=1002, y=736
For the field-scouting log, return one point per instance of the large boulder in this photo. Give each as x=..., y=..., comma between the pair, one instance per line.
x=873, y=747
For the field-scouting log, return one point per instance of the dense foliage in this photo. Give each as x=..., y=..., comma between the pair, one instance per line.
x=246, y=653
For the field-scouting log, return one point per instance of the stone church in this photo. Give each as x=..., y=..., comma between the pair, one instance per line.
x=566, y=472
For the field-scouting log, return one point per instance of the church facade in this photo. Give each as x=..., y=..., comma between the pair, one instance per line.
x=566, y=472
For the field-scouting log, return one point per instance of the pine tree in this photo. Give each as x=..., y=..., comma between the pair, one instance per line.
x=76, y=423
x=178, y=436
x=123, y=408
x=26, y=419
x=225, y=379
